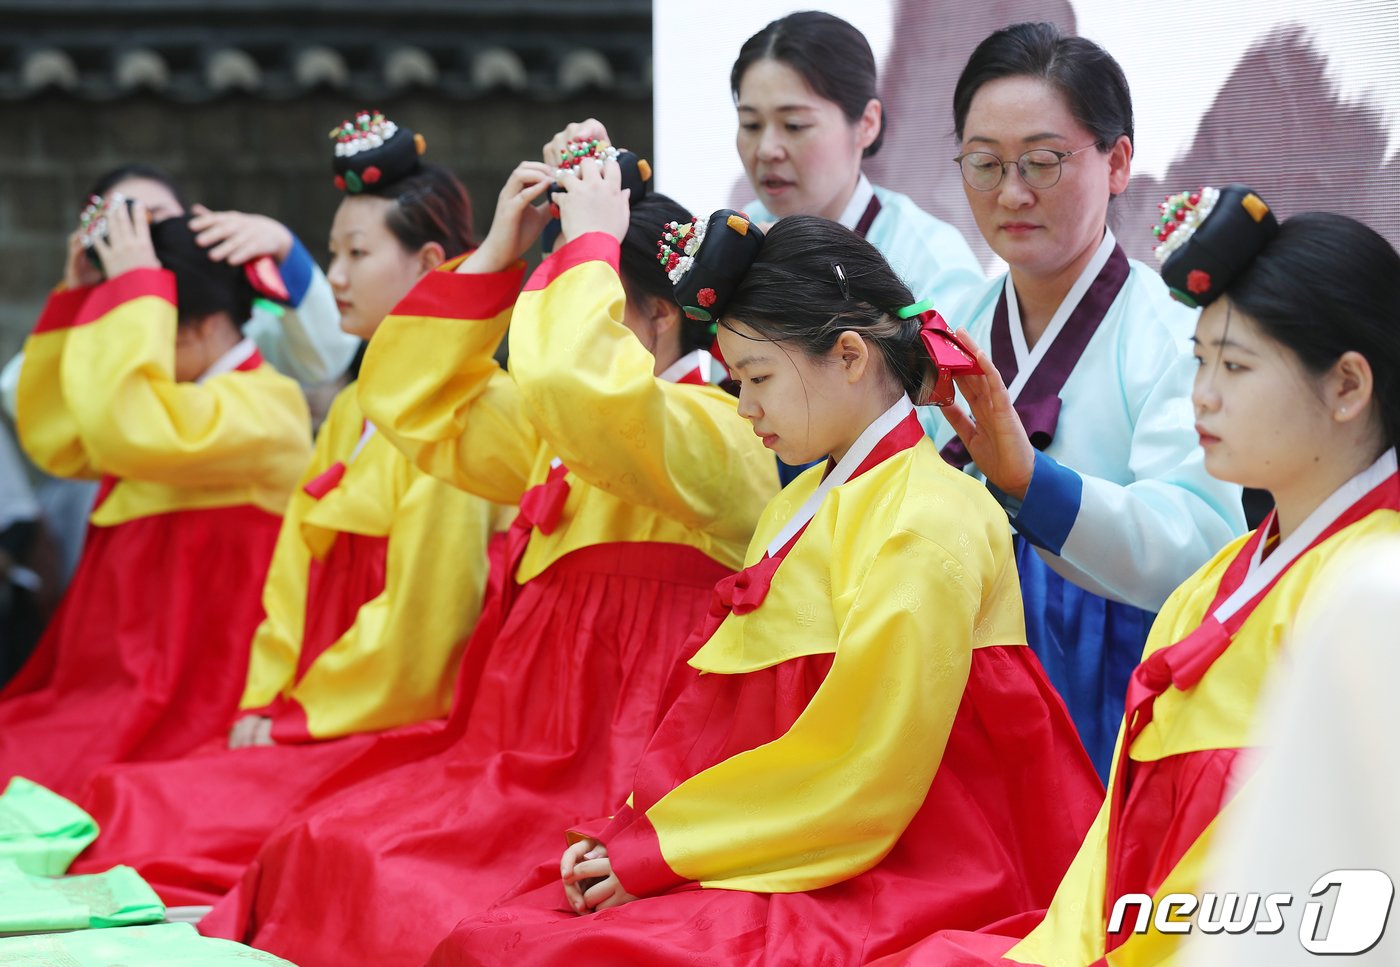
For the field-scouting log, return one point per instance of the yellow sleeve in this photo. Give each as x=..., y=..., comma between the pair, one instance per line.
x=431, y=385
x=589, y=386
x=47, y=429
x=277, y=642
x=396, y=663
x=829, y=798
x=136, y=421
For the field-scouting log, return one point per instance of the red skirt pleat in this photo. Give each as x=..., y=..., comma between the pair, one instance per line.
x=147, y=654
x=561, y=704
x=964, y=948
x=1170, y=803
x=191, y=826
x=1010, y=803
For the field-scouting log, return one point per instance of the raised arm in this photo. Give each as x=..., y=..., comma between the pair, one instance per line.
x=135, y=420
x=432, y=386
x=304, y=339
x=589, y=385
x=48, y=431
x=430, y=381
x=1135, y=542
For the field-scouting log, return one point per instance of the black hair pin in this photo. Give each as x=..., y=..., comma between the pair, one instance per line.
x=840, y=272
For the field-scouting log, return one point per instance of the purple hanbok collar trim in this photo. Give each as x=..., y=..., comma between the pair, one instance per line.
x=867, y=218
x=1038, y=403
x=1062, y=356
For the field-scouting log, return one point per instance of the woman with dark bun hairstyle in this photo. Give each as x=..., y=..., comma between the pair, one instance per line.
x=1094, y=460
x=638, y=486
x=861, y=746
x=809, y=111
x=144, y=381
x=365, y=616
x=1297, y=392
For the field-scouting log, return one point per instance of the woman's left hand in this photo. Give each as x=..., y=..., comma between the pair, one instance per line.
x=993, y=434
x=594, y=201
x=127, y=244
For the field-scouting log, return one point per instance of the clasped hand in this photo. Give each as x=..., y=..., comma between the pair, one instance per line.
x=250, y=730
x=590, y=884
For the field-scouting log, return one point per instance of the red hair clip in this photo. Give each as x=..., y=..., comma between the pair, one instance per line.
x=950, y=357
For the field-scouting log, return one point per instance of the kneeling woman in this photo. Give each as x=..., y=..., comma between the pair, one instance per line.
x=146, y=382
x=862, y=746
x=639, y=486
x=366, y=611
x=1296, y=394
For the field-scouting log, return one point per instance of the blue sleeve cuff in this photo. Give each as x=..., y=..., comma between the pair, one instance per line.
x=1047, y=513
x=297, y=269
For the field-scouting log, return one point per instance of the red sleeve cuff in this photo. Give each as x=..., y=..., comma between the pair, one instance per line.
x=61, y=309
x=125, y=287
x=591, y=247
x=636, y=858
x=446, y=294
x=602, y=829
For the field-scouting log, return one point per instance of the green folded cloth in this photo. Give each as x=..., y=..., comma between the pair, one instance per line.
x=163, y=945
x=117, y=898
x=40, y=830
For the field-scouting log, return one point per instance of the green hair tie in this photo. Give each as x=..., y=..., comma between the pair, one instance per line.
x=918, y=307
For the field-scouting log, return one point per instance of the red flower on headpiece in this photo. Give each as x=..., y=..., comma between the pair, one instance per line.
x=340, y=182
x=1197, y=281
x=371, y=174
x=706, y=297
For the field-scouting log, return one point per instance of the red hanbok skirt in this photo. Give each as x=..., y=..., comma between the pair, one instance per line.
x=190, y=826
x=564, y=700
x=147, y=654
x=1012, y=798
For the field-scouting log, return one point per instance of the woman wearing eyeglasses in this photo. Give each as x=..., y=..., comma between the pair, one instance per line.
x=1098, y=466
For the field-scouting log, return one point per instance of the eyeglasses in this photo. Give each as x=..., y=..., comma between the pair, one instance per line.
x=1039, y=167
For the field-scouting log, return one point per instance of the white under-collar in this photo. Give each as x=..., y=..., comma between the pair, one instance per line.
x=697, y=360
x=239, y=354
x=1263, y=569
x=870, y=437
x=860, y=201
